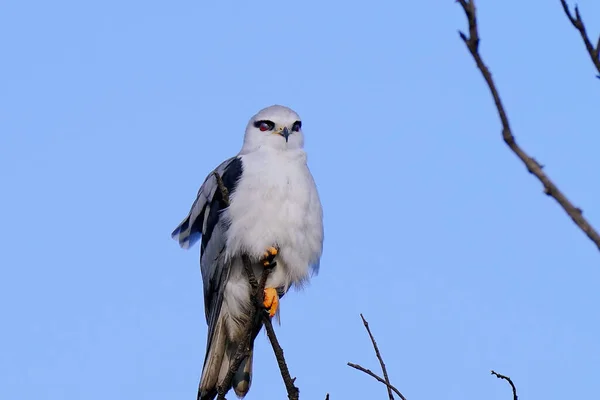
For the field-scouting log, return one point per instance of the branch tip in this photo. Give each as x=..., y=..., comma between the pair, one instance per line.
x=512, y=385
x=385, y=380
x=577, y=22
x=378, y=354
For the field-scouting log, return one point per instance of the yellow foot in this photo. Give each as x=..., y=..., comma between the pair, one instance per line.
x=269, y=256
x=271, y=301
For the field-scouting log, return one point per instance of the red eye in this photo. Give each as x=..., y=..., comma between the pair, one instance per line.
x=264, y=125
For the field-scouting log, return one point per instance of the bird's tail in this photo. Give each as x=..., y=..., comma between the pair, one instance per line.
x=218, y=358
x=243, y=377
x=215, y=357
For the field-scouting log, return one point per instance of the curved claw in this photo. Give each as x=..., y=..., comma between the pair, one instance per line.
x=271, y=301
x=268, y=257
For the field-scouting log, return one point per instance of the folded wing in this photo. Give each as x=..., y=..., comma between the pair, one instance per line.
x=204, y=221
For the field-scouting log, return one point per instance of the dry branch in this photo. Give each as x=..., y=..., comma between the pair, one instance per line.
x=512, y=385
x=384, y=380
x=257, y=297
x=550, y=189
x=371, y=373
x=292, y=390
x=577, y=22
x=383, y=369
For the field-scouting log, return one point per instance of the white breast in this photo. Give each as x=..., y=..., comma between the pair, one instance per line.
x=276, y=204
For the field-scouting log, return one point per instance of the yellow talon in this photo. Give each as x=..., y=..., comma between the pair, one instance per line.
x=271, y=301
x=269, y=255
x=270, y=252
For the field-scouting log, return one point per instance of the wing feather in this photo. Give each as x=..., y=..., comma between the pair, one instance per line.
x=204, y=221
x=191, y=228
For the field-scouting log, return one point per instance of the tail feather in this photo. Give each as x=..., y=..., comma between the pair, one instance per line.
x=216, y=366
x=215, y=358
x=243, y=377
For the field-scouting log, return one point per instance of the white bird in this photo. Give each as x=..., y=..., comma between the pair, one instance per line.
x=274, y=212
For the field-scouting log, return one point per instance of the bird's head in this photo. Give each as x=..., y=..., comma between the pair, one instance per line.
x=277, y=127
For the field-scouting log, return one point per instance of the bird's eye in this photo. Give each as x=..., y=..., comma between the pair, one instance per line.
x=264, y=125
x=296, y=127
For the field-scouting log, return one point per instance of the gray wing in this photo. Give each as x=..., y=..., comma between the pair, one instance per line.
x=204, y=220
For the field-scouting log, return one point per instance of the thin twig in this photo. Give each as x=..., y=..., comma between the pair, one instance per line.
x=371, y=373
x=472, y=42
x=577, y=22
x=506, y=378
x=385, y=381
x=385, y=374
x=292, y=390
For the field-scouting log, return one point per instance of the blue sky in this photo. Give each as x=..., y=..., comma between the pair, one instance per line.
x=112, y=113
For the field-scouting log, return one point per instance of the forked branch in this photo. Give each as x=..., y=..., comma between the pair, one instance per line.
x=535, y=168
x=577, y=22
x=378, y=354
x=385, y=380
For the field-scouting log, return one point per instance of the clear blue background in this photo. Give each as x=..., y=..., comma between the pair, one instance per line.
x=112, y=113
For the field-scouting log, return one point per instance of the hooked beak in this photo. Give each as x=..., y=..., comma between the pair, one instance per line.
x=285, y=133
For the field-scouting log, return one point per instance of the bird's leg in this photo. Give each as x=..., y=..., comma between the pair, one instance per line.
x=271, y=298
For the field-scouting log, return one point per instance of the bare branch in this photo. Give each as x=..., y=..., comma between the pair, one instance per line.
x=371, y=373
x=385, y=374
x=292, y=390
x=385, y=381
x=512, y=385
x=577, y=22
x=472, y=42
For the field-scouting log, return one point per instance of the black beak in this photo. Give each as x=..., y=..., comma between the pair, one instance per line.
x=285, y=133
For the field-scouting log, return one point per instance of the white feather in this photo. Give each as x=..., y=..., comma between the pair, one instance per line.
x=275, y=203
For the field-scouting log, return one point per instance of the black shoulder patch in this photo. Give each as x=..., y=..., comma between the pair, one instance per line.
x=231, y=176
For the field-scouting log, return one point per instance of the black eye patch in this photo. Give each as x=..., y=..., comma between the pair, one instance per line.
x=264, y=125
